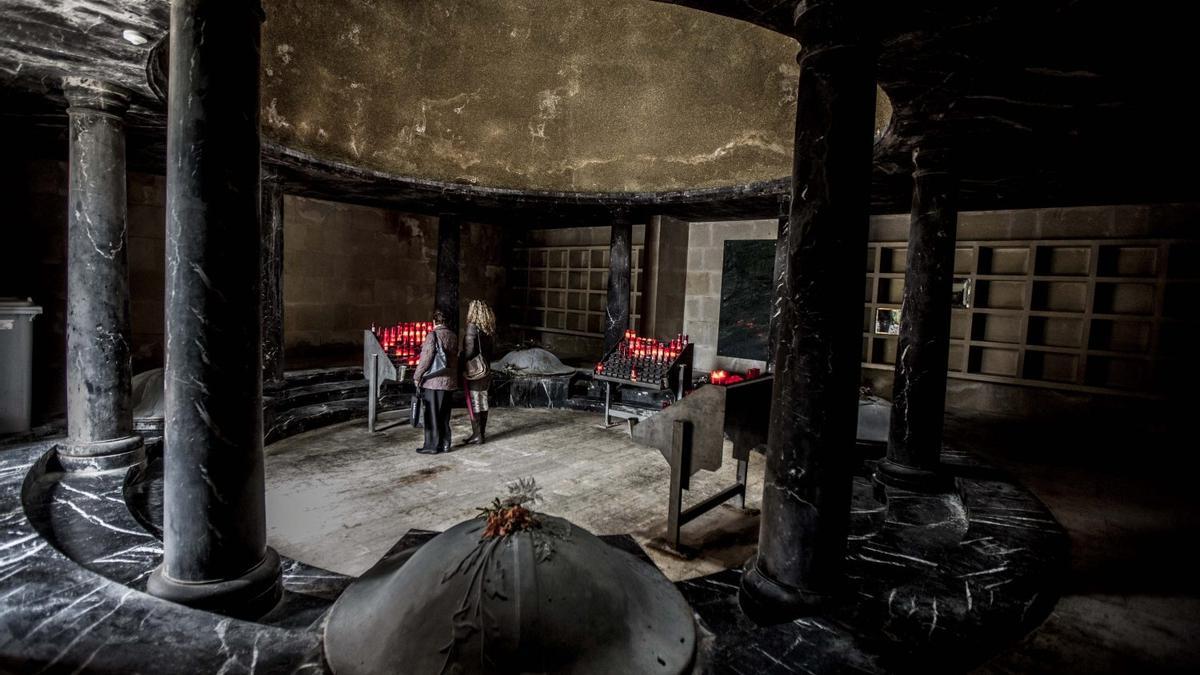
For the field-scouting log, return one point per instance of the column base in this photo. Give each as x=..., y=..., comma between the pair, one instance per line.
x=767, y=601
x=117, y=453
x=889, y=474
x=247, y=597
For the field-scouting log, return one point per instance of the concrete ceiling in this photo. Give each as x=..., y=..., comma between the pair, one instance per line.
x=1050, y=102
x=565, y=95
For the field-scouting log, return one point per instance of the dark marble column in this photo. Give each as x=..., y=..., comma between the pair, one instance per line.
x=449, y=269
x=919, y=393
x=271, y=290
x=780, y=289
x=214, y=524
x=99, y=407
x=620, y=257
x=807, y=485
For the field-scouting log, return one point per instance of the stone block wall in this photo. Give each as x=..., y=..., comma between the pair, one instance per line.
x=567, y=346
x=1099, y=225
x=574, y=236
x=33, y=264
x=146, y=196
x=34, y=259
x=485, y=252
x=702, y=305
x=1138, y=364
x=346, y=267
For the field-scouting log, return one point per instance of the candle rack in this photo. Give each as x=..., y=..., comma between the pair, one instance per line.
x=388, y=354
x=645, y=363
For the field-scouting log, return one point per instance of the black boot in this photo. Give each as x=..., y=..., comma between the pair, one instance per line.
x=482, y=419
x=474, y=430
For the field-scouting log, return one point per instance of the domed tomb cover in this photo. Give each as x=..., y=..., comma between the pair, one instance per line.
x=531, y=362
x=513, y=591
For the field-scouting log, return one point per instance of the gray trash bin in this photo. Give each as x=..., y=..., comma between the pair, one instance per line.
x=16, y=363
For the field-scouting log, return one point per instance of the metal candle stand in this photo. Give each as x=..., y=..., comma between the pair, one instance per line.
x=664, y=367
x=691, y=432
x=691, y=436
x=387, y=355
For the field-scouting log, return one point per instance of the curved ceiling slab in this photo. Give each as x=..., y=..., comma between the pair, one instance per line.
x=557, y=95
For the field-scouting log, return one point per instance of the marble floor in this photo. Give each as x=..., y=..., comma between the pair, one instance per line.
x=339, y=498
x=1127, y=498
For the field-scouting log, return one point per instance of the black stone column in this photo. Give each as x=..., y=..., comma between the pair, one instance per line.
x=449, y=268
x=780, y=289
x=99, y=407
x=620, y=257
x=214, y=523
x=919, y=393
x=271, y=289
x=807, y=486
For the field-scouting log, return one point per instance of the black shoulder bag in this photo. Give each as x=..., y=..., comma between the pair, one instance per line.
x=439, y=364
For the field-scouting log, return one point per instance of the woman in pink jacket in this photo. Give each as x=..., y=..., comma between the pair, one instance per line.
x=435, y=387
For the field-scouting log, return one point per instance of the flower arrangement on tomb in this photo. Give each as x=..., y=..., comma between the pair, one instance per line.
x=510, y=514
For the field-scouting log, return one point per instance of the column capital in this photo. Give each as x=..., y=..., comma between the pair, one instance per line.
x=621, y=214
x=85, y=93
x=270, y=176
x=826, y=23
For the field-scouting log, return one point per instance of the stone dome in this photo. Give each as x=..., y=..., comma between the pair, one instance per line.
x=550, y=599
x=534, y=361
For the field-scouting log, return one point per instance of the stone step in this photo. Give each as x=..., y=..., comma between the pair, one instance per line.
x=303, y=418
x=302, y=378
x=322, y=392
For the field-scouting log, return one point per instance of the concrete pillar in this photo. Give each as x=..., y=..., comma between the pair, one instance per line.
x=919, y=393
x=449, y=269
x=807, y=485
x=214, y=523
x=620, y=258
x=271, y=290
x=664, y=279
x=99, y=407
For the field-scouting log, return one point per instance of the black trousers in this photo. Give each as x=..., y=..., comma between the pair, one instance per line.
x=437, y=419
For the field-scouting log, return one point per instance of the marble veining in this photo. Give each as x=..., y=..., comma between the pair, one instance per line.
x=79, y=608
x=913, y=599
x=620, y=252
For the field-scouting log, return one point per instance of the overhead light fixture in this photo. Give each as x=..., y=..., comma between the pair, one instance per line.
x=133, y=37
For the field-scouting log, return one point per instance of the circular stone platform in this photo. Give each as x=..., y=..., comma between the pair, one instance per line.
x=935, y=583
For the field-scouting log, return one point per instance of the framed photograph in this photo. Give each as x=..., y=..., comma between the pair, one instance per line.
x=960, y=293
x=887, y=321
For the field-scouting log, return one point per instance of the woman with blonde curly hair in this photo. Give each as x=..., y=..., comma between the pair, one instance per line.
x=476, y=362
